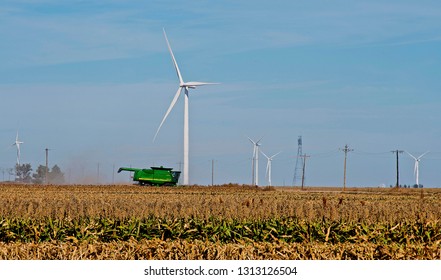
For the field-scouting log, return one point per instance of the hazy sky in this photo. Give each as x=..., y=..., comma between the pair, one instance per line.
x=91, y=80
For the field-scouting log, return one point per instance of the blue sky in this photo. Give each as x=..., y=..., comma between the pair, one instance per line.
x=91, y=80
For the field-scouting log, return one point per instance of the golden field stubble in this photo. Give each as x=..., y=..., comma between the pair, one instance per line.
x=385, y=205
x=366, y=206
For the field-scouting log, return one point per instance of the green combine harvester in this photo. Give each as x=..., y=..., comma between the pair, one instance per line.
x=156, y=176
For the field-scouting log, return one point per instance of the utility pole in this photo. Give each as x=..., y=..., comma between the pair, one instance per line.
x=82, y=172
x=98, y=174
x=212, y=172
x=113, y=174
x=398, y=170
x=47, y=166
x=346, y=150
x=304, y=167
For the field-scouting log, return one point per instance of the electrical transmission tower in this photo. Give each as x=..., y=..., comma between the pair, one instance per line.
x=298, y=171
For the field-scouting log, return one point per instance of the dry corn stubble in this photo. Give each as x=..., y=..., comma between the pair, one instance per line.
x=90, y=222
x=199, y=250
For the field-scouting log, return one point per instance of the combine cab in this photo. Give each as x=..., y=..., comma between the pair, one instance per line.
x=156, y=176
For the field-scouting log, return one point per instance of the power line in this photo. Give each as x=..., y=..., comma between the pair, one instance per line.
x=371, y=153
x=325, y=154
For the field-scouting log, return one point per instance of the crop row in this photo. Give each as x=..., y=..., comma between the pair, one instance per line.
x=290, y=230
x=203, y=250
x=122, y=202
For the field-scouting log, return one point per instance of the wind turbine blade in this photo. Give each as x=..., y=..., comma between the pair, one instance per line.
x=174, y=60
x=275, y=154
x=411, y=155
x=415, y=168
x=169, y=110
x=259, y=140
x=265, y=155
x=254, y=143
x=196, y=84
x=423, y=155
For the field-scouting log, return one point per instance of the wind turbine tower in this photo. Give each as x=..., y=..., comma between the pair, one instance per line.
x=299, y=163
x=182, y=86
x=17, y=143
x=268, y=166
x=255, y=161
x=416, y=169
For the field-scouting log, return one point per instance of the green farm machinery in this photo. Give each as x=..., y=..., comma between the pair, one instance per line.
x=156, y=176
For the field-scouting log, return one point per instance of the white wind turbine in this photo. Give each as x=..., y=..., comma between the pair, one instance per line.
x=255, y=161
x=416, y=169
x=17, y=144
x=268, y=166
x=185, y=86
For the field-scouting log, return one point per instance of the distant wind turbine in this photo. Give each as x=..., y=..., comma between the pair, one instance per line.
x=17, y=143
x=185, y=86
x=416, y=168
x=255, y=161
x=268, y=166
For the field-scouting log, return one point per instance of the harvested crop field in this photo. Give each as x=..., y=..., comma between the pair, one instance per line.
x=220, y=222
